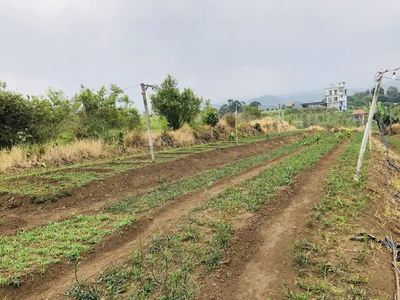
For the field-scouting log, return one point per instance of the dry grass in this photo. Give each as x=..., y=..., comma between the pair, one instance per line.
x=134, y=142
x=271, y=125
x=396, y=128
x=360, y=128
x=184, y=136
x=25, y=158
x=317, y=128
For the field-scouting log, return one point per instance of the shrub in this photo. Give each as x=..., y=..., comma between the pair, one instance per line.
x=252, y=111
x=212, y=118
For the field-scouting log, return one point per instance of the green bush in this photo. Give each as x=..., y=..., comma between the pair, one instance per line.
x=232, y=137
x=212, y=118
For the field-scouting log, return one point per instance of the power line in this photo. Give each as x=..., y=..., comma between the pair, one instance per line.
x=391, y=78
x=131, y=87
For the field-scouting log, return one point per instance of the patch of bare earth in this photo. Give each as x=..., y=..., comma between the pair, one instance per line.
x=118, y=247
x=18, y=212
x=258, y=258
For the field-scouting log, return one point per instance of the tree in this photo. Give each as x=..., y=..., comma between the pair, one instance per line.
x=230, y=108
x=206, y=110
x=392, y=91
x=252, y=111
x=212, y=118
x=15, y=118
x=102, y=110
x=178, y=108
x=255, y=104
x=381, y=91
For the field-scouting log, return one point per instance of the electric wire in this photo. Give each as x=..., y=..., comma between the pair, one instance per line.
x=131, y=87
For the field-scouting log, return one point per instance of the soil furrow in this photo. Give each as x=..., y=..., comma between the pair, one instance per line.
x=89, y=198
x=162, y=219
x=258, y=257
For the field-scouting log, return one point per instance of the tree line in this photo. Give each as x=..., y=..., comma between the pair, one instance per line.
x=106, y=113
x=362, y=99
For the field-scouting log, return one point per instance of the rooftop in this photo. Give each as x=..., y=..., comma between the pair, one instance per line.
x=358, y=112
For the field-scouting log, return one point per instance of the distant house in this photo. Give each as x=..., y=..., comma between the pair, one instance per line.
x=313, y=104
x=289, y=105
x=358, y=114
x=336, y=96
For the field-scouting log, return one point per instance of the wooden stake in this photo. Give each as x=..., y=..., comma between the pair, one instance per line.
x=144, y=88
x=236, y=123
x=279, y=119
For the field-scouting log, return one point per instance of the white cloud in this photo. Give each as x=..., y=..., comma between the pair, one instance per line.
x=223, y=49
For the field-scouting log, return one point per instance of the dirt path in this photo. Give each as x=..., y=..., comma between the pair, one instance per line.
x=93, y=196
x=59, y=277
x=258, y=255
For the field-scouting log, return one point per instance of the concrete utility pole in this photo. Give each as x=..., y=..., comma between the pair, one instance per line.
x=279, y=119
x=378, y=79
x=144, y=88
x=370, y=133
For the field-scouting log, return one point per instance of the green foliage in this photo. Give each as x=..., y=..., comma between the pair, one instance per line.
x=382, y=114
x=317, y=137
x=252, y=111
x=178, y=108
x=381, y=91
x=212, y=118
x=231, y=107
x=345, y=201
x=392, y=91
x=255, y=104
x=104, y=110
x=232, y=137
x=206, y=110
x=40, y=119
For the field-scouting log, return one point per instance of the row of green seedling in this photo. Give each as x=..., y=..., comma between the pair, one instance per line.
x=16, y=246
x=167, y=269
x=320, y=260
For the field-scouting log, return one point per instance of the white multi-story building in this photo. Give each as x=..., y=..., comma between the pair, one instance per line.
x=336, y=96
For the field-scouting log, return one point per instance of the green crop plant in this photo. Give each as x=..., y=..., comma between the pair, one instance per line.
x=50, y=243
x=169, y=192
x=259, y=190
x=164, y=269
x=71, y=177
x=344, y=201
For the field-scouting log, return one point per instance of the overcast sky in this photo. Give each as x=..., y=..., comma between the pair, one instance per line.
x=221, y=48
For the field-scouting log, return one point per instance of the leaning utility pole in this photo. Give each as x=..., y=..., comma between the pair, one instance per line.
x=378, y=79
x=279, y=119
x=144, y=88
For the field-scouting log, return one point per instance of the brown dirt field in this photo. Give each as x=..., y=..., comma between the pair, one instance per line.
x=258, y=258
x=95, y=195
x=118, y=248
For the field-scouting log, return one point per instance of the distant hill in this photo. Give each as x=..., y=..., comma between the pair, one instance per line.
x=272, y=101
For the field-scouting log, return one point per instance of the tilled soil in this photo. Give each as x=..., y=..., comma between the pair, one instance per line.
x=258, y=258
x=18, y=212
x=118, y=247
